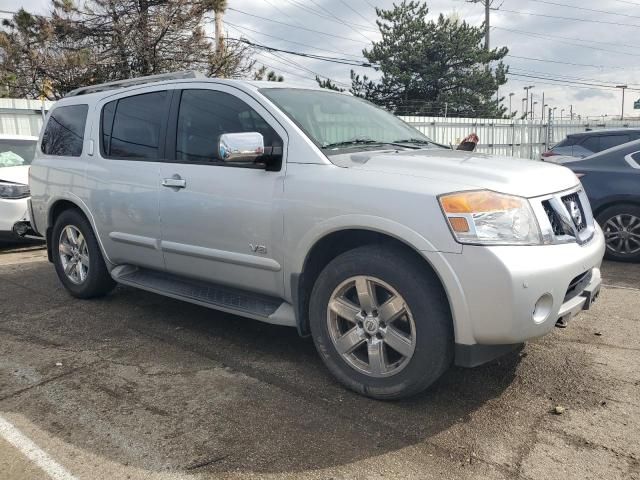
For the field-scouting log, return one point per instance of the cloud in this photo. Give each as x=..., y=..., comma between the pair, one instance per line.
x=591, y=94
x=590, y=53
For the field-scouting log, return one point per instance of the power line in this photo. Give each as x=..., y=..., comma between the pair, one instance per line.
x=356, y=12
x=589, y=47
x=579, y=7
x=308, y=9
x=293, y=26
x=545, y=35
x=290, y=41
x=569, y=82
x=569, y=18
x=602, y=67
x=344, y=61
x=568, y=77
x=341, y=21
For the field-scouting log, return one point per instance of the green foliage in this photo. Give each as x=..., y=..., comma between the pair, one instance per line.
x=426, y=64
x=95, y=41
x=270, y=76
x=328, y=84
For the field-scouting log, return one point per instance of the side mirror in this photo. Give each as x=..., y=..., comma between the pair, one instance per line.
x=243, y=147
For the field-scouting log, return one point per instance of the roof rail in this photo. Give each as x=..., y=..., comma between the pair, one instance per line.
x=134, y=81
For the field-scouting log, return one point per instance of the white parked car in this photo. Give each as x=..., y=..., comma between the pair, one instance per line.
x=16, y=154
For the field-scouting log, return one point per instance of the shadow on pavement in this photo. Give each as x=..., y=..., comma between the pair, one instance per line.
x=160, y=384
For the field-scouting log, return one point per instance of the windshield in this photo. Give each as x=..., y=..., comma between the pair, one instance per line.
x=336, y=121
x=14, y=153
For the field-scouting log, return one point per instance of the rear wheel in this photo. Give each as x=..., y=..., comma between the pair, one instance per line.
x=621, y=227
x=381, y=322
x=77, y=257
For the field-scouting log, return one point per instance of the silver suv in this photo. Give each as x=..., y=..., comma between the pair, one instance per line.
x=313, y=209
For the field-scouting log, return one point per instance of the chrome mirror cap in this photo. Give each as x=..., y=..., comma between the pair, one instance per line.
x=240, y=147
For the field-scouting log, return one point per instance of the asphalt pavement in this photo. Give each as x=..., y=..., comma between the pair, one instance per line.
x=138, y=386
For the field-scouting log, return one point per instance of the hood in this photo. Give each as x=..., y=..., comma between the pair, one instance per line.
x=19, y=174
x=526, y=178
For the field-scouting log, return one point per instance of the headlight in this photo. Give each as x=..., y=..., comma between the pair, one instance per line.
x=13, y=190
x=489, y=218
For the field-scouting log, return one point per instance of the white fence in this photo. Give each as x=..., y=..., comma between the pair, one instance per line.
x=21, y=117
x=517, y=138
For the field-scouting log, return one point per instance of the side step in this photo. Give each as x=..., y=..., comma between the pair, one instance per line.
x=227, y=299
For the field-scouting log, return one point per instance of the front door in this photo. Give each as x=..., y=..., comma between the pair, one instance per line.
x=221, y=222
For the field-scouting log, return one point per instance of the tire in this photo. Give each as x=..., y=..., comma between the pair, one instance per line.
x=426, y=322
x=90, y=277
x=621, y=226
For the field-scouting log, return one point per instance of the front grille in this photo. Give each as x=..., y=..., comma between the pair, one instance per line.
x=577, y=285
x=576, y=212
x=556, y=224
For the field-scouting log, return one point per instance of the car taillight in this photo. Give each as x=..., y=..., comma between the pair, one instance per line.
x=549, y=153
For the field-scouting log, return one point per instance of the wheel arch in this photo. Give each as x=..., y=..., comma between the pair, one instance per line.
x=336, y=242
x=61, y=205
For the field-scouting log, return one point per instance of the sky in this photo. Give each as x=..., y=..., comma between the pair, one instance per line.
x=599, y=49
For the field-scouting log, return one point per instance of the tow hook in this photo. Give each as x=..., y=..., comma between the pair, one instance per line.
x=561, y=323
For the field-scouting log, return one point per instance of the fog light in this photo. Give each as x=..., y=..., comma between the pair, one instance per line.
x=542, y=308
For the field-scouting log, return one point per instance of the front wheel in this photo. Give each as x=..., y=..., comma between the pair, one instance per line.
x=621, y=227
x=381, y=322
x=77, y=257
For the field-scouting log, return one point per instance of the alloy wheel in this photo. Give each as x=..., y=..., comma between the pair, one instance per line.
x=622, y=234
x=371, y=326
x=74, y=254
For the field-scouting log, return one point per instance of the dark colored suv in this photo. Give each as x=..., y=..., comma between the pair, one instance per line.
x=583, y=144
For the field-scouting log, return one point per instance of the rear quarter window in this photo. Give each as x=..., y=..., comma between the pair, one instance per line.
x=64, y=132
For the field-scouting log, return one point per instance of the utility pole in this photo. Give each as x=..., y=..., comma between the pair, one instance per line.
x=487, y=20
x=510, y=95
x=623, y=87
x=526, y=89
x=571, y=112
x=543, y=105
x=532, y=113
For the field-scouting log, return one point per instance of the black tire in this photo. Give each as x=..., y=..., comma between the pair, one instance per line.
x=98, y=282
x=610, y=214
x=426, y=300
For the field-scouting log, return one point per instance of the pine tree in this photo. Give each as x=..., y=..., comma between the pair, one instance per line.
x=428, y=64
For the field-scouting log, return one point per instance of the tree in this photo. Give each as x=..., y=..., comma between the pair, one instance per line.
x=270, y=76
x=105, y=40
x=428, y=66
x=328, y=84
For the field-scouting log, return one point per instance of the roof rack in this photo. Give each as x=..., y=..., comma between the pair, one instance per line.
x=134, y=81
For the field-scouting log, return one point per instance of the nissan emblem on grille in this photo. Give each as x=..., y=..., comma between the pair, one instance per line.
x=574, y=211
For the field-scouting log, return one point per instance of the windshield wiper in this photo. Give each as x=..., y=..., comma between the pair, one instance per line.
x=353, y=141
x=368, y=141
x=414, y=141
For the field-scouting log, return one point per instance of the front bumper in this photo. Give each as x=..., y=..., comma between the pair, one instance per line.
x=501, y=287
x=12, y=211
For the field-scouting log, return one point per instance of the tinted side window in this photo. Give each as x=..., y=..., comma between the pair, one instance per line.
x=64, y=133
x=567, y=142
x=609, y=141
x=204, y=115
x=592, y=143
x=136, y=128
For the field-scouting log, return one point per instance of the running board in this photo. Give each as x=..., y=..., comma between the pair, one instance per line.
x=227, y=299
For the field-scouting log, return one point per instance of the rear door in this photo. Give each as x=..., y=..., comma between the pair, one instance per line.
x=123, y=175
x=224, y=223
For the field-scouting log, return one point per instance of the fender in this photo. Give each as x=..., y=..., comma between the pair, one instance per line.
x=78, y=202
x=437, y=260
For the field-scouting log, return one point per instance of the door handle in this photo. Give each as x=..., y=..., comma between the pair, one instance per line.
x=174, y=182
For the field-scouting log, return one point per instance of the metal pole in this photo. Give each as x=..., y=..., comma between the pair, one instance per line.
x=487, y=29
x=543, y=105
x=623, y=87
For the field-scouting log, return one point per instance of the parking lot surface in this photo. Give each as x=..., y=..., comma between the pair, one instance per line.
x=137, y=386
